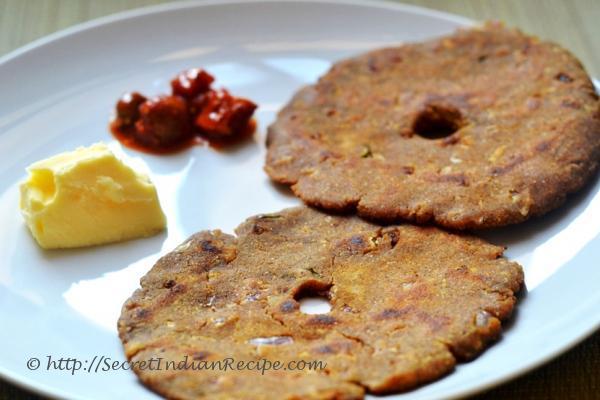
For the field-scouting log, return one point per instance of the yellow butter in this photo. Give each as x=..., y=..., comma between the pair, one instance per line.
x=88, y=197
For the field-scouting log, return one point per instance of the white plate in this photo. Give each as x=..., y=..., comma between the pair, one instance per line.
x=58, y=93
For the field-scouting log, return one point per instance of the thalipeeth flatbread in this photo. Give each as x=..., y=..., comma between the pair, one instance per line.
x=483, y=128
x=407, y=303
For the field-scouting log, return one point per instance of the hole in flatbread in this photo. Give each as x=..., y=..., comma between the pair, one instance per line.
x=313, y=296
x=436, y=121
x=271, y=341
x=315, y=305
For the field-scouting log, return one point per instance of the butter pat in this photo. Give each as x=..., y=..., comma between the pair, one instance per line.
x=88, y=197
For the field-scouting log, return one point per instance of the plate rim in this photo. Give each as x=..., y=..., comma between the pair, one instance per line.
x=183, y=4
x=48, y=391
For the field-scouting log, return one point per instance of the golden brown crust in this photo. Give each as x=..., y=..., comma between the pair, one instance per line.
x=407, y=302
x=525, y=114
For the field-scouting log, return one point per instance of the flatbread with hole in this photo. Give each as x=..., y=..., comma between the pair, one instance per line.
x=407, y=303
x=483, y=128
